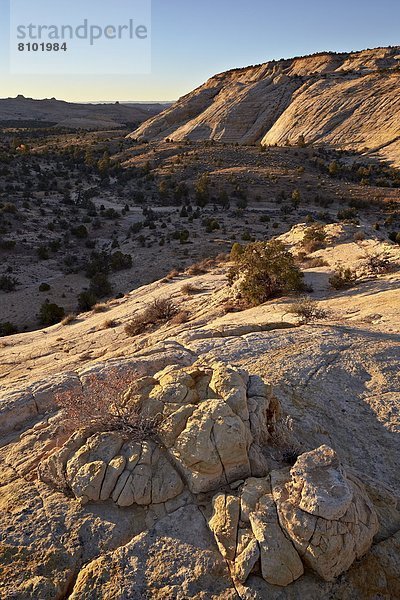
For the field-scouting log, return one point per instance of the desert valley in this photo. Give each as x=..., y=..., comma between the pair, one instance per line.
x=200, y=339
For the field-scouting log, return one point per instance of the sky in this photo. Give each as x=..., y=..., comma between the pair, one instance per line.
x=191, y=40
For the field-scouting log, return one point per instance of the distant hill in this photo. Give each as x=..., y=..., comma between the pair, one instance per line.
x=346, y=100
x=69, y=114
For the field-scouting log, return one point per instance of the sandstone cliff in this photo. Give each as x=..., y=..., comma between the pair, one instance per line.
x=345, y=100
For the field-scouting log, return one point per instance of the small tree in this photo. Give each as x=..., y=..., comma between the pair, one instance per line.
x=7, y=328
x=120, y=261
x=100, y=285
x=50, y=314
x=86, y=300
x=334, y=168
x=202, y=190
x=265, y=270
x=314, y=238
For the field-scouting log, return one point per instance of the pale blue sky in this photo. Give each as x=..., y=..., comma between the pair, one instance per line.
x=194, y=39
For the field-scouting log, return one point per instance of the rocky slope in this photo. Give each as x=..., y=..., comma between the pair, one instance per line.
x=74, y=115
x=344, y=100
x=274, y=470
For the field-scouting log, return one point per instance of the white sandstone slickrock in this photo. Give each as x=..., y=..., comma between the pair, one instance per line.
x=347, y=100
x=211, y=426
x=287, y=529
x=327, y=515
x=212, y=422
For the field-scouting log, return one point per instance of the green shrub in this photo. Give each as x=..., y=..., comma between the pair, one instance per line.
x=44, y=287
x=265, y=270
x=7, y=328
x=7, y=283
x=394, y=236
x=7, y=244
x=334, y=168
x=343, y=279
x=80, y=232
x=100, y=285
x=86, y=300
x=296, y=196
x=314, y=238
x=43, y=253
x=236, y=251
x=202, y=190
x=347, y=214
x=50, y=313
x=120, y=261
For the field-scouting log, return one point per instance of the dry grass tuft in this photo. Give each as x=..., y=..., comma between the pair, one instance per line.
x=189, y=289
x=100, y=308
x=68, y=320
x=180, y=318
x=110, y=324
x=308, y=310
x=159, y=311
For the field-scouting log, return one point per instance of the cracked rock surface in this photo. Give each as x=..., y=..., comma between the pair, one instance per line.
x=219, y=504
x=202, y=509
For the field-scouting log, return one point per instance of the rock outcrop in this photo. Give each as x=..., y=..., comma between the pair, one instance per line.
x=213, y=424
x=344, y=100
x=327, y=515
x=227, y=498
x=204, y=489
x=312, y=515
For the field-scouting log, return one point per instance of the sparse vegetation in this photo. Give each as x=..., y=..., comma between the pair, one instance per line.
x=379, y=264
x=314, y=238
x=50, y=313
x=100, y=308
x=343, y=278
x=86, y=300
x=283, y=439
x=100, y=405
x=181, y=317
x=265, y=270
x=188, y=289
x=69, y=202
x=161, y=310
x=68, y=320
x=7, y=328
x=7, y=283
x=110, y=324
x=307, y=309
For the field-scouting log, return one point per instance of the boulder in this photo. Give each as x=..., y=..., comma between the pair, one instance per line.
x=328, y=516
x=211, y=428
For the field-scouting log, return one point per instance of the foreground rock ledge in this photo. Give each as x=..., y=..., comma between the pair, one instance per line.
x=211, y=452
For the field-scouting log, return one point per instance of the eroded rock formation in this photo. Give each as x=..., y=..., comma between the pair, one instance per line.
x=347, y=100
x=214, y=427
x=213, y=424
